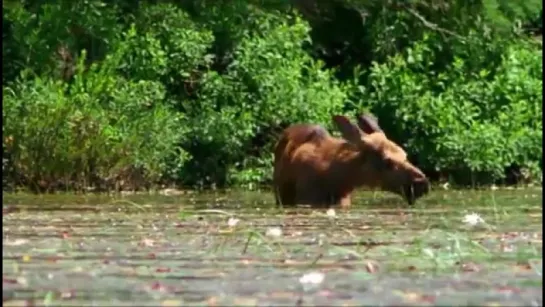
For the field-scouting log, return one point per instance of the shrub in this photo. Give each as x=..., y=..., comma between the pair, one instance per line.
x=475, y=125
x=270, y=82
x=195, y=92
x=164, y=44
x=45, y=37
x=100, y=130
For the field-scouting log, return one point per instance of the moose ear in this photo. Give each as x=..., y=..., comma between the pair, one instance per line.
x=348, y=130
x=368, y=123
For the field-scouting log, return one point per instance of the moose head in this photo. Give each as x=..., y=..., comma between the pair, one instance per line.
x=376, y=161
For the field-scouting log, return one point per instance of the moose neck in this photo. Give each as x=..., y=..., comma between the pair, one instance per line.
x=347, y=169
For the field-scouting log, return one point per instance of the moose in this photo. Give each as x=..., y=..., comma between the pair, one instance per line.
x=312, y=167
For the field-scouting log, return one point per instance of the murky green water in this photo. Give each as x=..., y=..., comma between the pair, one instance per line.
x=186, y=250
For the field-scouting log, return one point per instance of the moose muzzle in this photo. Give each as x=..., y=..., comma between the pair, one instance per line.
x=416, y=189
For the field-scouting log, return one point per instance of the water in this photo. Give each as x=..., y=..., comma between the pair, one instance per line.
x=178, y=250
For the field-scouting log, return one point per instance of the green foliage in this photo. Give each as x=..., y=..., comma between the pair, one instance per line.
x=99, y=129
x=478, y=123
x=196, y=92
x=38, y=38
x=270, y=81
x=502, y=13
x=164, y=44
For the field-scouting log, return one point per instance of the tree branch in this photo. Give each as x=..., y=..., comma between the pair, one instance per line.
x=433, y=26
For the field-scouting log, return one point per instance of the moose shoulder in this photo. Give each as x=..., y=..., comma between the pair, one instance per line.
x=312, y=167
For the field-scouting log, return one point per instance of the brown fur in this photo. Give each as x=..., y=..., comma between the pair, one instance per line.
x=312, y=167
x=290, y=140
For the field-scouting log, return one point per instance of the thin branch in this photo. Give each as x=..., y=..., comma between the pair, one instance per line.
x=433, y=26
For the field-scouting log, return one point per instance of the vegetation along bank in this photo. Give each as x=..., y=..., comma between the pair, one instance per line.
x=197, y=92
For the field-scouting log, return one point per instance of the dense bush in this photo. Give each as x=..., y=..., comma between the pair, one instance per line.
x=270, y=81
x=101, y=130
x=196, y=92
x=474, y=125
